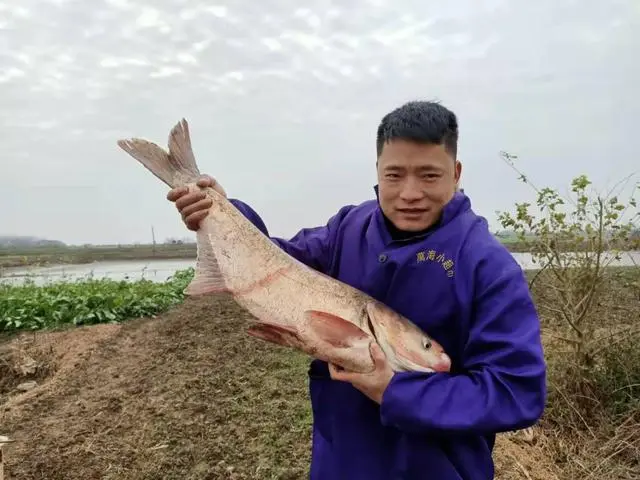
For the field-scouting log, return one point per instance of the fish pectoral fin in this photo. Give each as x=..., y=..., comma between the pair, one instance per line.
x=336, y=331
x=278, y=334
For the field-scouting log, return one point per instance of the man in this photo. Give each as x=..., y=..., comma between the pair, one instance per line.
x=420, y=249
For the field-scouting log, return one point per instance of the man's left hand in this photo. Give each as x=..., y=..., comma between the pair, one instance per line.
x=372, y=384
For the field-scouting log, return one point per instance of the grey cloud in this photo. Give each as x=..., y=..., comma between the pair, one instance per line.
x=284, y=101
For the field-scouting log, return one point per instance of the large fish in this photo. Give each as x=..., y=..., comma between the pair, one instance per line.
x=294, y=305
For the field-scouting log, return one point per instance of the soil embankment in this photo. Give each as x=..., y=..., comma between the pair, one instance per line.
x=187, y=395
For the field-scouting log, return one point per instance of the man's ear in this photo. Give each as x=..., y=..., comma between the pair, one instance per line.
x=458, y=171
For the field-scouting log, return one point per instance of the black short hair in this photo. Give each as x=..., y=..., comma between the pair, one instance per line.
x=420, y=121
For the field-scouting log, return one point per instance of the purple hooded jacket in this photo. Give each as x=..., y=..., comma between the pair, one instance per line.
x=466, y=290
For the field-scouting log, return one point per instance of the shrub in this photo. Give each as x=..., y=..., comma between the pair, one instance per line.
x=593, y=406
x=573, y=240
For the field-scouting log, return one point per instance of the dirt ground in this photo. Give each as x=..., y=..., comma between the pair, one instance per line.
x=184, y=396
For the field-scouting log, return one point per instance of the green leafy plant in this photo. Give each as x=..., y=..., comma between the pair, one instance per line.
x=86, y=301
x=573, y=239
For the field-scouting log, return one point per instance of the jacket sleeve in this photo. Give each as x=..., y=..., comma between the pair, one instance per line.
x=311, y=246
x=501, y=383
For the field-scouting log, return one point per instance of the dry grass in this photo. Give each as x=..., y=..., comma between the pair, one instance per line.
x=592, y=419
x=22, y=362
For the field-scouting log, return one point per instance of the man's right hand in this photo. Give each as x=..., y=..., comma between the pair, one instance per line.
x=193, y=206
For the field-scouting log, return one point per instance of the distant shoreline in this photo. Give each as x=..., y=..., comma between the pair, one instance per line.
x=48, y=255
x=60, y=255
x=43, y=256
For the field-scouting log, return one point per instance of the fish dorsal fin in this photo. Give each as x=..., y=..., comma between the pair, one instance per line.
x=334, y=330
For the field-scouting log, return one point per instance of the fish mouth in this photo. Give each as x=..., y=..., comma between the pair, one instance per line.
x=443, y=364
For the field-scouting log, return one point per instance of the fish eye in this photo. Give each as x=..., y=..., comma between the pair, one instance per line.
x=426, y=343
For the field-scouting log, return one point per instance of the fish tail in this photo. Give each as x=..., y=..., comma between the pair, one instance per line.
x=175, y=168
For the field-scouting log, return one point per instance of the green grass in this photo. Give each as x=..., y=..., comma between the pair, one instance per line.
x=86, y=301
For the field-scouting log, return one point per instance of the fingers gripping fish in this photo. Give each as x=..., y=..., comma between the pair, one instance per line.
x=293, y=304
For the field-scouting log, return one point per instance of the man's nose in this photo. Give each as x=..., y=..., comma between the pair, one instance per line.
x=411, y=190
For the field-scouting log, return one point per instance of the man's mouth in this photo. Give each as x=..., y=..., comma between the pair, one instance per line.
x=412, y=211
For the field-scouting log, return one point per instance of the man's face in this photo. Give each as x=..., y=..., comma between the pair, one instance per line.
x=415, y=181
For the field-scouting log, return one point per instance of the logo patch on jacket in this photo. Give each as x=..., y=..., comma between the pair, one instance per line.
x=437, y=257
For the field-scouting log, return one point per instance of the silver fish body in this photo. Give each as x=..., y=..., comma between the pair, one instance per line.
x=293, y=304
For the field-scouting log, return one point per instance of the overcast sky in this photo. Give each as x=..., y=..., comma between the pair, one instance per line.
x=283, y=102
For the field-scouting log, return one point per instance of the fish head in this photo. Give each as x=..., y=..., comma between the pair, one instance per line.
x=406, y=346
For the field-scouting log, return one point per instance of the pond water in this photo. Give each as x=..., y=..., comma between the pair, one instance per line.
x=155, y=270
x=160, y=270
